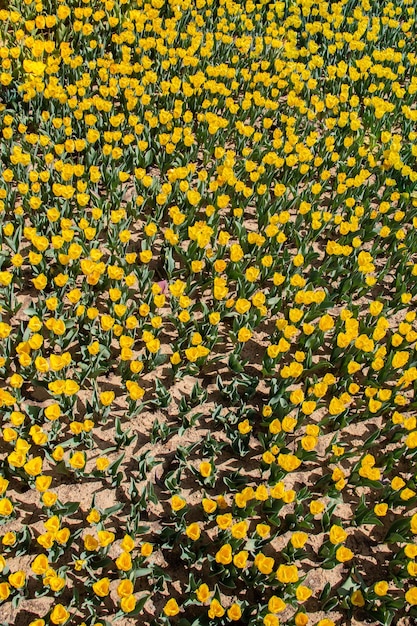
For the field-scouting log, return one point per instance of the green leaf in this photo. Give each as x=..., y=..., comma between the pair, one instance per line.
x=143, y=571
x=235, y=364
x=99, y=563
x=139, y=606
x=113, y=467
x=398, y=531
x=112, y=509
x=325, y=592
x=60, y=467
x=330, y=604
x=69, y=508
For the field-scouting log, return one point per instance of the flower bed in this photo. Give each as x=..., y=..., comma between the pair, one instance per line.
x=207, y=340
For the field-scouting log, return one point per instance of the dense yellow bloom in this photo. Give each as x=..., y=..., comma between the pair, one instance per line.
x=381, y=588
x=411, y=596
x=276, y=604
x=264, y=564
x=128, y=603
x=107, y=397
x=244, y=334
x=203, y=593
x=234, y=612
x=344, y=554
x=177, y=503
x=224, y=555
x=298, y=539
x=171, y=608
x=303, y=593
x=288, y=462
x=216, y=609
x=6, y=507
x=102, y=587
x=205, y=469
x=59, y=614
x=77, y=460
x=287, y=574
x=337, y=534
x=124, y=562
x=193, y=531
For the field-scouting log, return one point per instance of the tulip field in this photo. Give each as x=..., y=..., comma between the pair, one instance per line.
x=208, y=312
